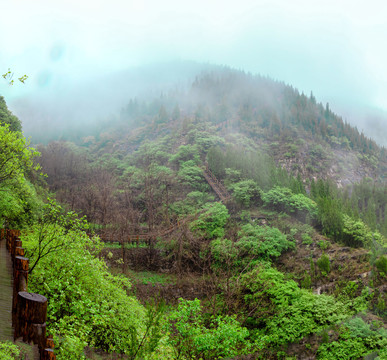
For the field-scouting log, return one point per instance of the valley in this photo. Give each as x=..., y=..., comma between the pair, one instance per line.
x=233, y=218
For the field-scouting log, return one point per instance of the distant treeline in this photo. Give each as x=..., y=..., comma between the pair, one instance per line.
x=254, y=104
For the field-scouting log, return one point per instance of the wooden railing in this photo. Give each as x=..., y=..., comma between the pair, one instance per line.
x=29, y=310
x=140, y=238
x=216, y=185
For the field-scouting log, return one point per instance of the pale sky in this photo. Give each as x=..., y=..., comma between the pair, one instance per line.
x=337, y=49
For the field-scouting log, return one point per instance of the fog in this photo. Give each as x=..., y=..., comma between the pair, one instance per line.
x=85, y=60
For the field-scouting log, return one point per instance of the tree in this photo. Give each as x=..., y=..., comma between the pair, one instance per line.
x=55, y=231
x=216, y=161
x=212, y=221
x=246, y=192
x=6, y=117
x=16, y=156
x=330, y=217
x=17, y=196
x=88, y=305
x=357, y=234
x=191, y=176
x=283, y=199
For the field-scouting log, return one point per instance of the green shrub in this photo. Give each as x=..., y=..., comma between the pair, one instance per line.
x=296, y=312
x=224, y=253
x=350, y=290
x=358, y=327
x=16, y=157
x=211, y=223
x=356, y=340
x=283, y=199
x=381, y=305
x=223, y=337
x=262, y=241
x=245, y=192
x=186, y=153
x=191, y=176
x=278, y=198
x=323, y=244
x=343, y=350
x=306, y=239
x=306, y=282
x=9, y=351
x=381, y=264
x=357, y=234
x=324, y=264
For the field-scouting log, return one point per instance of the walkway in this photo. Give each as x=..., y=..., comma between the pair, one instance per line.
x=6, y=331
x=216, y=185
x=30, y=352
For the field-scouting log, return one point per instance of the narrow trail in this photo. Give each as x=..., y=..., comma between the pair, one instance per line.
x=28, y=351
x=6, y=331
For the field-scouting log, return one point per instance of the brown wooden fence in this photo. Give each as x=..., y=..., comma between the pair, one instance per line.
x=216, y=185
x=29, y=310
x=107, y=236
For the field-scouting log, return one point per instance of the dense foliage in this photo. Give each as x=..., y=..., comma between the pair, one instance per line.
x=7, y=118
x=292, y=223
x=18, y=201
x=222, y=337
x=88, y=306
x=9, y=351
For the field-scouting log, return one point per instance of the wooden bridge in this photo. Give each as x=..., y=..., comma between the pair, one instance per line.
x=141, y=238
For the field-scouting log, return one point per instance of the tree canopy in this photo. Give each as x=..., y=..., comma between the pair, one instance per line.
x=16, y=157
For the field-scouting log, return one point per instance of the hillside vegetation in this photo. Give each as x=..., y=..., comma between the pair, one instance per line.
x=282, y=255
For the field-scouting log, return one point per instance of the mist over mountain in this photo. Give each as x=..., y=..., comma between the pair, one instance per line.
x=54, y=110
x=195, y=180
x=75, y=105
x=369, y=120
x=237, y=177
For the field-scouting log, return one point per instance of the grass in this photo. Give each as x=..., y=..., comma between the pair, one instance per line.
x=146, y=277
x=117, y=245
x=151, y=278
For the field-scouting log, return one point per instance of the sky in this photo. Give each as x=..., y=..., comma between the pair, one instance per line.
x=337, y=49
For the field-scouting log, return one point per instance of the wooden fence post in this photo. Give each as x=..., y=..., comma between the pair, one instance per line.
x=123, y=255
x=19, y=251
x=21, y=273
x=31, y=318
x=48, y=352
x=20, y=280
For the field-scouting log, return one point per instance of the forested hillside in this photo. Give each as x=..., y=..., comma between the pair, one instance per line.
x=237, y=217
x=233, y=121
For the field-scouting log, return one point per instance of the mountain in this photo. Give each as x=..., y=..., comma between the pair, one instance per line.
x=253, y=210
x=306, y=137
